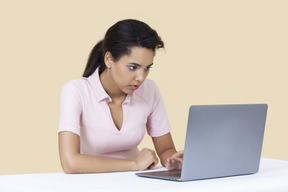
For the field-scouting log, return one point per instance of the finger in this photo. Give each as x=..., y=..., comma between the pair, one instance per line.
x=174, y=163
x=168, y=163
x=179, y=154
x=152, y=165
x=171, y=163
x=178, y=159
x=154, y=160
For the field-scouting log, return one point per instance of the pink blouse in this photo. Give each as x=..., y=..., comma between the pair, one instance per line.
x=84, y=111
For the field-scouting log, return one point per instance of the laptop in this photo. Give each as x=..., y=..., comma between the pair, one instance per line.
x=221, y=141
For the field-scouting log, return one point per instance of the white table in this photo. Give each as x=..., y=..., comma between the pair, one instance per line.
x=272, y=177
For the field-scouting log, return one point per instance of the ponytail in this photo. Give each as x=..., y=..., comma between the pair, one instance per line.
x=96, y=59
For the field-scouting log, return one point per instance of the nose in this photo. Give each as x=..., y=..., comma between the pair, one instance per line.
x=141, y=75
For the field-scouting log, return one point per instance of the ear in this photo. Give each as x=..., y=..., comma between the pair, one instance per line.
x=108, y=59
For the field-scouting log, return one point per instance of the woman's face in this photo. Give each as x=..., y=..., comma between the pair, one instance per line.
x=130, y=71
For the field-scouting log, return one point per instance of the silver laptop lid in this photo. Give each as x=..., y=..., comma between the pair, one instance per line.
x=223, y=140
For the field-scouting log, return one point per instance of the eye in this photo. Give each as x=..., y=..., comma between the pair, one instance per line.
x=133, y=68
x=147, y=68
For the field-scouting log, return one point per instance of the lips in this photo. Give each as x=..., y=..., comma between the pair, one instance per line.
x=134, y=87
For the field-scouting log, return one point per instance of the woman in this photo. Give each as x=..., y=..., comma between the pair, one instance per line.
x=105, y=113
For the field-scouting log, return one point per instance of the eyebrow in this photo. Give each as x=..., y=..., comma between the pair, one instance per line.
x=139, y=64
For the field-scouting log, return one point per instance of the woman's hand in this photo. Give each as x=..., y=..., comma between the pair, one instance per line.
x=175, y=161
x=146, y=159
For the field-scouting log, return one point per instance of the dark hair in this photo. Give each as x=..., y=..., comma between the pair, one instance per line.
x=119, y=39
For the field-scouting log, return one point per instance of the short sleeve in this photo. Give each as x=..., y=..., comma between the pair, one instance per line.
x=70, y=108
x=158, y=124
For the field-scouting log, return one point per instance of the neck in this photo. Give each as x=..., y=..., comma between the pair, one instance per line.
x=110, y=87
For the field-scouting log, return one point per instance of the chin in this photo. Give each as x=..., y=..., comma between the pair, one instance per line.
x=128, y=91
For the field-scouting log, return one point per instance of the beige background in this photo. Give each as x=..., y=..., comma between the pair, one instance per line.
x=217, y=52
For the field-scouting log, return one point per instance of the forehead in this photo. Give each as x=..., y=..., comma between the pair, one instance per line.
x=139, y=55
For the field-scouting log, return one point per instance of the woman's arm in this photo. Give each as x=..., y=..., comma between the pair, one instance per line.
x=74, y=162
x=167, y=153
